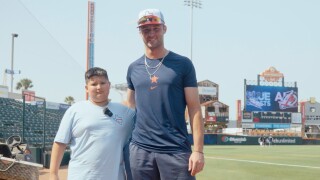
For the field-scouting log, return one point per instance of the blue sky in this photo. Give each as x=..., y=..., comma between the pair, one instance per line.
x=233, y=40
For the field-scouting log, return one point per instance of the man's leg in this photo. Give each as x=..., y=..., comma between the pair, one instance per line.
x=174, y=166
x=142, y=164
x=126, y=158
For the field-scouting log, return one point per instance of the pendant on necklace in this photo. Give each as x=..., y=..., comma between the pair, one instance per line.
x=154, y=79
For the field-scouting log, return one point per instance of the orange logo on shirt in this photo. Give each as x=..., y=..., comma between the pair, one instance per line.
x=154, y=79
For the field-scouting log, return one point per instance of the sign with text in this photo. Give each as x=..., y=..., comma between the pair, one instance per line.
x=212, y=91
x=271, y=98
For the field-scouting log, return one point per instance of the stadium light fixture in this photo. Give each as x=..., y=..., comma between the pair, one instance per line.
x=192, y=4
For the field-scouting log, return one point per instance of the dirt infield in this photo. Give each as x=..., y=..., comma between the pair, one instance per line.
x=44, y=173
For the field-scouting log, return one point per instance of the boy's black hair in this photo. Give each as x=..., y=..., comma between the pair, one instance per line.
x=95, y=71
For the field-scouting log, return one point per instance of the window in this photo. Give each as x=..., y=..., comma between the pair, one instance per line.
x=312, y=109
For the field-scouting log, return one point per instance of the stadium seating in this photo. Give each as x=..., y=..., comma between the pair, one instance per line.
x=11, y=122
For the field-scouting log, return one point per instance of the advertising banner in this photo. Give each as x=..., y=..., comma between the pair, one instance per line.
x=52, y=105
x=221, y=139
x=248, y=125
x=271, y=126
x=209, y=139
x=212, y=91
x=63, y=106
x=271, y=98
x=251, y=140
x=4, y=91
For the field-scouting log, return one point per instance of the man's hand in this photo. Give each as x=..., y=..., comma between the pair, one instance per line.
x=196, y=162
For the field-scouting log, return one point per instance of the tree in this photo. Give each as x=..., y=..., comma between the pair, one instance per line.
x=69, y=100
x=24, y=84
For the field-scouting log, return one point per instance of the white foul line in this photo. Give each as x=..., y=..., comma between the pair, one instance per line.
x=261, y=162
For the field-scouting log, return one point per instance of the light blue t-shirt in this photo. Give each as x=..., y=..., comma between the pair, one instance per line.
x=96, y=140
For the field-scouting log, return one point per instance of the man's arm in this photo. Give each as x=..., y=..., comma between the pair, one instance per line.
x=56, y=157
x=131, y=99
x=196, y=161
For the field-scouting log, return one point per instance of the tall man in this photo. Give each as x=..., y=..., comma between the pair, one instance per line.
x=161, y=84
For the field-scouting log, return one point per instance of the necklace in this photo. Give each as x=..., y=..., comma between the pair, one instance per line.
x=147, y=65
x=157, y=67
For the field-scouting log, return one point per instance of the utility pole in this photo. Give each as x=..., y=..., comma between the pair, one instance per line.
x=12, y=54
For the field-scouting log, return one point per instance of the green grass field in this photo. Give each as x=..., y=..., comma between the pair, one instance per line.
x=259, y=163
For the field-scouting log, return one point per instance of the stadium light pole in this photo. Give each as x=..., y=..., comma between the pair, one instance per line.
x=192, y=4
x=14, y=35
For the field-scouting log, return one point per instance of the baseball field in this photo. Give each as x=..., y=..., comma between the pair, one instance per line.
x=301, y=162
x=261, y=163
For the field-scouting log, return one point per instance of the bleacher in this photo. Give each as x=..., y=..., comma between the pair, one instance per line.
x=11, y=122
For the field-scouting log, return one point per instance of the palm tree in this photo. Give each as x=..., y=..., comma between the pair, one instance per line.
x=69, y=100
x=24, y=84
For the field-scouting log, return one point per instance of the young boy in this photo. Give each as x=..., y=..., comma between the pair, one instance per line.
x=96, y=130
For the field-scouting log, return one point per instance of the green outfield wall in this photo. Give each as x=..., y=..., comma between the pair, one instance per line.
x=224, y=139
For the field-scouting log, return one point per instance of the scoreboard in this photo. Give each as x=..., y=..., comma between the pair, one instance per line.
x=271, y=117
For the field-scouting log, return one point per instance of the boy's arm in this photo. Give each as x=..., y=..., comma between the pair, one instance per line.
x=56, y=157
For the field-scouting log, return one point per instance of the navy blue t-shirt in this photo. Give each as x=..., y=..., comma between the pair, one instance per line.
x=160, y=102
